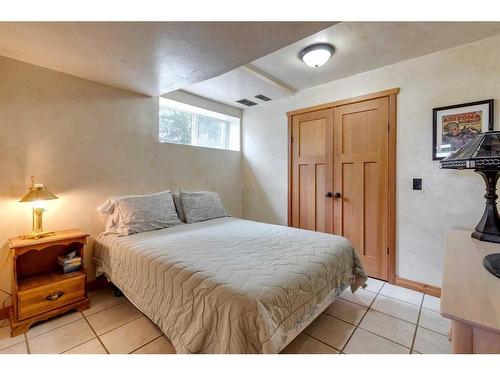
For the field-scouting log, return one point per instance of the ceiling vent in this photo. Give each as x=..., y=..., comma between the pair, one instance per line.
x=262, y=97
x=246, y=102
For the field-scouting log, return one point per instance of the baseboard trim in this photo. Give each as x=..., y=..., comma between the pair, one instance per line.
x=4, y=312
x=420, y=287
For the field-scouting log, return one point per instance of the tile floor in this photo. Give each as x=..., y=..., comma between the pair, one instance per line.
x=383, y=318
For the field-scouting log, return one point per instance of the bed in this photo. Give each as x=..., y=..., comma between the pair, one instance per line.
x=229, y=285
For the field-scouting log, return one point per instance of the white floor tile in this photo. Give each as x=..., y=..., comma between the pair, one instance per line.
x=16, y=349
x=90, y=347
x=431, y=303
x=108, y=319
x=6, y=340
x=429, y=342
x=396, y=308
x=360, y=296
x=345, y=310
x=53, y=323
x=304, y=344
x=102, y=299
x=62, y=338
x=364, y=342
x=131, y=336
x=159, y=346
x=330, y=330
x=374, y=285
x=434, y=321
x=403, y=294
x=391, y=328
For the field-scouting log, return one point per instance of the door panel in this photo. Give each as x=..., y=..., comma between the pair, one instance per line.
x=312, y=170
x=311, y=137
x=361, y=176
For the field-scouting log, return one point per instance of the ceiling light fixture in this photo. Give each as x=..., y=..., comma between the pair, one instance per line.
x=316, y=55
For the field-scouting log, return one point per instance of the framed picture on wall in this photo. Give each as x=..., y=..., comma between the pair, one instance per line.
x=455, y=125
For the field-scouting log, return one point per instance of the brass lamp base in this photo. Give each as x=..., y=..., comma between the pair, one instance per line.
x=38, y=231
x=37, y=235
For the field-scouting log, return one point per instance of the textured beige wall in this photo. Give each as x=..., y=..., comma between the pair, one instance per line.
x=87, y=141
x=448, y=199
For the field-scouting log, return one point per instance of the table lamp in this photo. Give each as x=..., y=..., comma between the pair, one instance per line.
x=37, y=194
x=483, y=155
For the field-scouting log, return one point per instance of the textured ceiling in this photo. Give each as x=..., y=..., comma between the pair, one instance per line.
x=360, y=46
x=151, y=58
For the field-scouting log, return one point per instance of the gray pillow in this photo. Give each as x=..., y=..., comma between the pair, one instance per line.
x=178, y=206
x=201, y=206
x=144, y=213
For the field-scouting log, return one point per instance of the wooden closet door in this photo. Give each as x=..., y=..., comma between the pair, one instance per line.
x=312, y=170
x=361, y=179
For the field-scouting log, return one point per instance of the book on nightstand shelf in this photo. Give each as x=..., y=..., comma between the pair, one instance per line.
x=70, y=262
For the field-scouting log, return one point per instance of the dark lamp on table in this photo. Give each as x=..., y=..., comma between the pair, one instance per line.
x=483, y=155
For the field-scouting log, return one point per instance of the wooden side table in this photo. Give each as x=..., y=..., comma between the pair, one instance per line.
x=470, y=296
x=40, y=289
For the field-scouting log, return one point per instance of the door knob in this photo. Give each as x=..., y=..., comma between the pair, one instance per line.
x=329, y=194
x=338, y=195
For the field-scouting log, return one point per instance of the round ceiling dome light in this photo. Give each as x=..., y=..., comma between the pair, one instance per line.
x=316, y=55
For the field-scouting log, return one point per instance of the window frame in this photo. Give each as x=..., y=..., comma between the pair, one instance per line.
x=230, y=124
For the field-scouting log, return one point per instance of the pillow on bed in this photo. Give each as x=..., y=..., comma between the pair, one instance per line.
x=146, y=213
x=201, y=206
x=178, y=206
x=139, y=213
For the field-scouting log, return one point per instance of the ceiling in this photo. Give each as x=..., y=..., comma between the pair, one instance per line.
x=360, y=46
x=151, y=58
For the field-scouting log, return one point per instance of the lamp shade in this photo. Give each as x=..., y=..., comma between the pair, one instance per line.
x=37, y=192
x=481, y=153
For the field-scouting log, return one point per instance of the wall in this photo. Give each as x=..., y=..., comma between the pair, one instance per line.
x=86, y=142
x=449, y=198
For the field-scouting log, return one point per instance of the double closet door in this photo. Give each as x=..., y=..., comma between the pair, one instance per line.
x=339, y=176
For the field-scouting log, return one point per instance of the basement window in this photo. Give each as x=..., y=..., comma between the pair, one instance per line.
x=189, y=125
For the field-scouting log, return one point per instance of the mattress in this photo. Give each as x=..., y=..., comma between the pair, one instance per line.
x=230, y=285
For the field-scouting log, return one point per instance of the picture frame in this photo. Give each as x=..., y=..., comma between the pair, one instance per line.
x=455, y=125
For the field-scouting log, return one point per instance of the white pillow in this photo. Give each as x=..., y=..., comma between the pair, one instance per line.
x=139, y=213
x=201, y=206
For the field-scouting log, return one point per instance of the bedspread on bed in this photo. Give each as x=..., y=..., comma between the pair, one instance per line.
x=229, y=285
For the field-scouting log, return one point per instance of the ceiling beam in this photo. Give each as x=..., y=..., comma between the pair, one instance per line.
x=266, y=77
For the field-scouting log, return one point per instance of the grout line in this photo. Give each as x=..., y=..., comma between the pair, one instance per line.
x=149, y=342
x=366, y=312
x=416, y=327
x=400, y=300
x=321, y=341
x=121, y=325
x=392, y=316
x=385, y=338
x=96, y=335
x=28, y=349
x=342, y=320
x=52, y=329
x=76, y=346
x=107, y=308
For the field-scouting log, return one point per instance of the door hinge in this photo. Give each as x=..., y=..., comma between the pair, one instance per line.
x=291, y=139
x=388, y=126
x=387, y=251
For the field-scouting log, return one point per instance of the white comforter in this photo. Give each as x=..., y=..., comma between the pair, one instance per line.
x=230, y=285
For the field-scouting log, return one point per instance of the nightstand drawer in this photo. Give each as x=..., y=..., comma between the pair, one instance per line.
x=48, y=297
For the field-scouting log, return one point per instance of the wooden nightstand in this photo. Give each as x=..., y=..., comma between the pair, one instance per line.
x=40, y=290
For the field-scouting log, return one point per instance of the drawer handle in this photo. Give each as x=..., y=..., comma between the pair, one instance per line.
x=54, y=296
